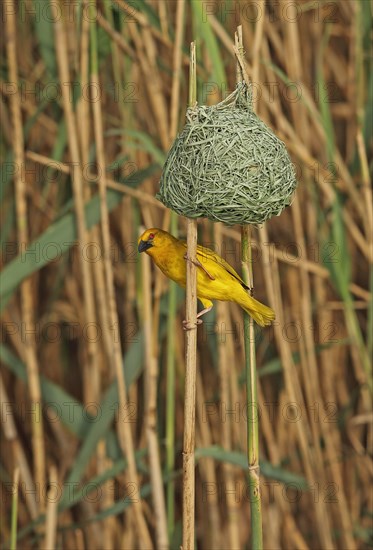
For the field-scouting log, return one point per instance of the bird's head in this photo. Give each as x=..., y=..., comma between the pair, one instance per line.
x=151, y=238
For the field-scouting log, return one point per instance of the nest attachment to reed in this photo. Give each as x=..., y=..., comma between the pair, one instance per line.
x=227, y=165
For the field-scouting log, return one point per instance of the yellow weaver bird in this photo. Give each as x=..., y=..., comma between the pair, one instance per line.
x=216, y=279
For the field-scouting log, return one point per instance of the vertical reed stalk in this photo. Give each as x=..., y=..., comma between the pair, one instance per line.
x=292, y=382
x=27, y=306
x=90, y=366
x=10, y=432
x=250, y=360
x=213, y=536
x=303, y=296
x=170, y=389
x=124, y=428
x=13, y=525
x=97, y=269
x=151, y=410
x=51, y=512
x=226, y=362
x=170, y=396
x=191, y=354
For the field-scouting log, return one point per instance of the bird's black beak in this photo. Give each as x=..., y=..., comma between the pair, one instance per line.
x=144, y=245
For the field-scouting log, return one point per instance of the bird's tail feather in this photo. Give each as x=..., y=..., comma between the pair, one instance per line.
x=263, y=315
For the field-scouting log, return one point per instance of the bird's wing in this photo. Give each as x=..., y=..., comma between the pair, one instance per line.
x=206, y=254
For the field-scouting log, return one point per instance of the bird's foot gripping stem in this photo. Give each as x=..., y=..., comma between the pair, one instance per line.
x=187, y=325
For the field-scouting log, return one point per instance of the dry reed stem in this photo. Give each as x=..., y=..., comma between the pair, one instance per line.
x=5, y=123
x=30, y=108
x=93, y=378
x=275, y=458
x=172, y=222
x=256, y=534
x=367, y=185
x=190, y=355
x=322, y=176
x=20, y=458
x=258, y=36
x=108, y=490
x=27, y=306
x=82, y=108
x=309, y=374
x=225, y=362
x=124, y=428
x=143, y=21
x=52, y=510
x=151, y=374
x=14, y=518
x=97, y=268
x=120, y=69
x=292, y=383
x=90, y=366
x=309, y=362
x=213, y=536
x=147, y=57
x=94, y=179
x=176, y=72
x=162, y=10
x=117, y=38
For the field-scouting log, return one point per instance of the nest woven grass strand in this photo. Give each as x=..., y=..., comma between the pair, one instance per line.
x=227, y=165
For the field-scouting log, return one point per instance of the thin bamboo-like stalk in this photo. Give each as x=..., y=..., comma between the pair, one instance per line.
x=170, y=388
x=252, y=401
x=151, y=410
x=268, y=432
x=124, y=428
x=108, y=492
x=90, y=363
x=122, y=66
x=152, y=80
x=142, y=19
x=52, y=509
x=84, y=126
x=191, y=355
x=226, y=364
x=14, y=514
x=170, y=396
x=250, y=360
x=20, y=459
x=271, y=275
x=320, y=431
x=92, y=377
x=90, y=366
x=213, y=536
x=38, y=445
x=177, y=59
x=162, y=10
x=255, y=57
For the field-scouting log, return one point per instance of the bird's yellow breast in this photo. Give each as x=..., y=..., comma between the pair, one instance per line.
x=170, y=261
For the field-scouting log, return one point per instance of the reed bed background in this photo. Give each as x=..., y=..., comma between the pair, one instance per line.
x=92, y=380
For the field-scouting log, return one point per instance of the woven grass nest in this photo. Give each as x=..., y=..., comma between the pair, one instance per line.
x=227, y=165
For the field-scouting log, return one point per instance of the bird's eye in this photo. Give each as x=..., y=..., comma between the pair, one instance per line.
x=151, y=236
